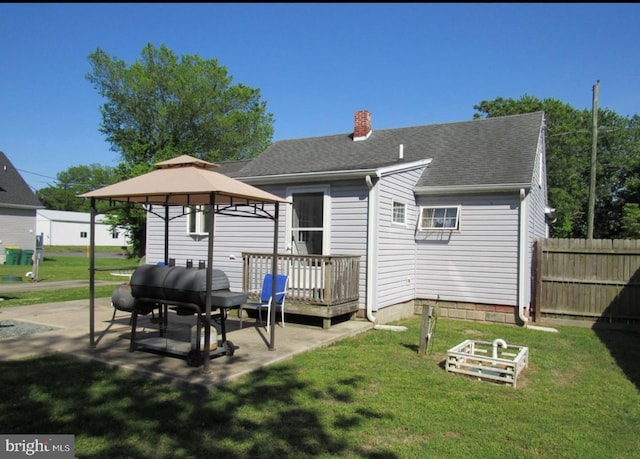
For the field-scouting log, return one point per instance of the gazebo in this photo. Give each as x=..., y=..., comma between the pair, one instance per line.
x=187, y=181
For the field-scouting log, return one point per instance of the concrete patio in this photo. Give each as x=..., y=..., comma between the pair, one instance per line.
x=69, y=333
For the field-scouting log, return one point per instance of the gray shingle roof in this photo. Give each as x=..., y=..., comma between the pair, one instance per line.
x=15, y=191
x=489, y=151
x=230, y=168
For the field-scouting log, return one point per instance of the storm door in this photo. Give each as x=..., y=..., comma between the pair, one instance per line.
x=308, y=234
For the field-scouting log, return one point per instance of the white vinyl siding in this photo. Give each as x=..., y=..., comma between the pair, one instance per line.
x=477, y=265
x=396, y=254
x=537, y=225
x=18, y=229
x=349, y=225
x=234, y=235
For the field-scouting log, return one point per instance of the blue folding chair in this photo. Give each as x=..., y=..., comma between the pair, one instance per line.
x=265, y=298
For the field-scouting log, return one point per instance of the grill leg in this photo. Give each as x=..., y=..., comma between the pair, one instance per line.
x=134, y=323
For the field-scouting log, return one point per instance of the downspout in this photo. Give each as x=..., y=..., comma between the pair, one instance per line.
x=522, y=251
x=370, y=248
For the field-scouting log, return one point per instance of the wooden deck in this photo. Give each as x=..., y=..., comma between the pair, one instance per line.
x=319, y=286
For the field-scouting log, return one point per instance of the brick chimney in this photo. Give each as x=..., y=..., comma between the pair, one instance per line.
x=362, y=125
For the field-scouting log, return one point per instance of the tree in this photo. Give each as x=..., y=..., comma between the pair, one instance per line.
x=72, y=182
x=618, y=172
x=568, y=147
x=162, y=106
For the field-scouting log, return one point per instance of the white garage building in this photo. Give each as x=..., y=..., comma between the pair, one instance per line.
x=59, y=227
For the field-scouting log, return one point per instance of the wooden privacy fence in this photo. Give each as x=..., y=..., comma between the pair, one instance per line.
x=597, y=280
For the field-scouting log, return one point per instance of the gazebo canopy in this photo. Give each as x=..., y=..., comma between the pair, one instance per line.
x=183, y=181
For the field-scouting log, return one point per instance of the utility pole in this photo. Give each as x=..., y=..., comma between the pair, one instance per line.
x=594, y=154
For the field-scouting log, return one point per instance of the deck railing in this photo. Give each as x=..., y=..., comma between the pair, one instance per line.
x=313, y=279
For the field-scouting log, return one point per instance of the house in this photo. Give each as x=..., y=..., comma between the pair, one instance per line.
x=442, y=214
x=59, y=227
x=18, y=206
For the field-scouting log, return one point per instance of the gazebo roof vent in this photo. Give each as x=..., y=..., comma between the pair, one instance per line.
x=185, y=160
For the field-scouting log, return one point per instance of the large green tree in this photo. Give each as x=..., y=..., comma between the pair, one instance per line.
x=568, y=148
x=163, y=106
x=72, y=182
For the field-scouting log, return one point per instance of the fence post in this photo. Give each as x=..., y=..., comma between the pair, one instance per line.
x=425, y=330
x=537, y=280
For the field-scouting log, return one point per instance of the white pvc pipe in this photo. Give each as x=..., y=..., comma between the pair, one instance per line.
x=370, y=249
x=498, y=342
x=522, y=251
x=396, y=328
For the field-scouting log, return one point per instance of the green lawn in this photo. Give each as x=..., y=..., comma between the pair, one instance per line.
x=59, y=268
x=370, y=396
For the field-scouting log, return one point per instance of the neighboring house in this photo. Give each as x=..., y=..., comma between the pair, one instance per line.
x=59, y=227
x=441, y=214
x=18, y=206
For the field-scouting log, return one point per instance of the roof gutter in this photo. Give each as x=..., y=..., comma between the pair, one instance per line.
x=332, y=175
x=454, y=189
x=306, y=177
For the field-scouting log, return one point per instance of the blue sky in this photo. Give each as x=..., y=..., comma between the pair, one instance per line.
x=315, y=64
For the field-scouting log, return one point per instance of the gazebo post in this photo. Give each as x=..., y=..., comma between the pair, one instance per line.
x=92, y=274
x=274, y=270
x=207, y=321
x=166, y=234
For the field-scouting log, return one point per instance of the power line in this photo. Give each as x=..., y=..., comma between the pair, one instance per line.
x=35, y=173
x=600, y=130
x=59, y=183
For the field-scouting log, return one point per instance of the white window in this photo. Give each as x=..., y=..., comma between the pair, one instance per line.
x=439, y=218
x=399, y=213
x=197, y=220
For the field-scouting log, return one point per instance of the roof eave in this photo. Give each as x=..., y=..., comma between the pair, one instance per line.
x=306, y=176
x=21, y=206
x=331, y=175
x=465, y=189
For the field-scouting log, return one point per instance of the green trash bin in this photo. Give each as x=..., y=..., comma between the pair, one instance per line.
x=26, y=258
x=13, y=255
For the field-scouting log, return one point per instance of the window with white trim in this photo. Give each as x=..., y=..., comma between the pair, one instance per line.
x=197, y=220
x=439, y=218
x=399, y=213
